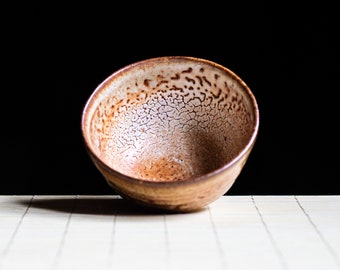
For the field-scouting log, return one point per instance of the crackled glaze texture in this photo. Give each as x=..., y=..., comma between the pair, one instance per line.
x=170, y=119
x=171, y=123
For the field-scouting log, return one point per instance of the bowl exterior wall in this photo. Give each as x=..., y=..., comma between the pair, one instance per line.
x=185, y=196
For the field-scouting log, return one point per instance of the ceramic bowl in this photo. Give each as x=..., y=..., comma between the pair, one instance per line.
x=172, y=132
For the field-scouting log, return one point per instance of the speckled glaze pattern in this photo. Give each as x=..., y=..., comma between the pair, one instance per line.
x=171, y=132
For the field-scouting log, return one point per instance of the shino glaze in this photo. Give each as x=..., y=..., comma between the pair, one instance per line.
x=178, y=120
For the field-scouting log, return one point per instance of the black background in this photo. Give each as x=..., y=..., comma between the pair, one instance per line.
x=54, y=56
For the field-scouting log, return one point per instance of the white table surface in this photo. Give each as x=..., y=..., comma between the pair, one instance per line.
x=106, y=232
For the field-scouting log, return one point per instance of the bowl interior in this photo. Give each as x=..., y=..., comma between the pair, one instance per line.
x=169, y=119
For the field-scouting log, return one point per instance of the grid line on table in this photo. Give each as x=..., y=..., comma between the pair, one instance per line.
x=90, y=239
x=58, y=255
x=224, y=264
x=167, y=244
x=192, y=243
x=244, y=240
x=11, y=239
x=319, y=233
x=242, y=235
x=142, y=240
x=38, y=238
x=270, y=236
x=112, y=242
x=298, y=240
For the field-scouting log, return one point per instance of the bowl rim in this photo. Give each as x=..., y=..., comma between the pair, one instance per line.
x=204, y=177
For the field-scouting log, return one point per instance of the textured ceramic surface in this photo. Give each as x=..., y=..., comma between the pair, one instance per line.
x=171, y=132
